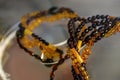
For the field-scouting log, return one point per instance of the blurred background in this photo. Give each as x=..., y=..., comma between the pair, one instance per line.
x=103, y=64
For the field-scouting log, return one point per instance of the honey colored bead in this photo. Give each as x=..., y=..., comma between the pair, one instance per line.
x=31, y=21
x=82, y=68
x=77, y=55
x=79, y=45
x=39, y=20
x=84, y=73
x=76, y=70
x=75, y=61
x=87, y=78
x=28, y=32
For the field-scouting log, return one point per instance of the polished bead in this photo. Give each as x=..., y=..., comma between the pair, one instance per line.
x=98, y=16
x=102, y=16
x=94, y=33
x=18, y=34
x=53, y=10
x=59, y=51
x=98, y=38
x=45, y=42
x=102, y=35
x=80, y=77
x=81, y=38
x=101, y=29
x=37, y=56
x=83, y=34
x=108, y=20
x=98, y=23
x=103, y=21
x=35, y=36
x=94, y=25
x=107, y=16
x=78, y=29
x=70, y=43
x=87, y=38
x=106, y=30
x=90, y=28
x=29, y=20
x=117, y=19
x=77, y=18
x=80, y=26
x=93, y=18
x=86, y=30
x=87, y=78
x=89, y=19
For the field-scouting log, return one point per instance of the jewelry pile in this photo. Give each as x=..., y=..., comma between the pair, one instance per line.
x=82, y=32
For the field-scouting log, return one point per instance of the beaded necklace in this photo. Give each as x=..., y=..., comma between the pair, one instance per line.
x=82, y=32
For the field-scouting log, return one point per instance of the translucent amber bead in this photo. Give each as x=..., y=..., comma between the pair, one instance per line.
x=75, y=53
x=39, y=20
x=79, y=45
x=87, y=78
x=28, y=32
x=82, y=69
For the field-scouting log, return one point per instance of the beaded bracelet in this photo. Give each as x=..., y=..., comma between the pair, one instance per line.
x=29, y=22
x=32, y=20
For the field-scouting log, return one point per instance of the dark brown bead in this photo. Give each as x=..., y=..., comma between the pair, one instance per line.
x=90, y=28
x=86, y=30
x=94, y=25
x=101, y=29
x=98, y=38
x=107, y=16
x=59, y=51
x=87, y=38
x=102, y=35
x=89, y=19
x=94, y=33
x=98, y=16
x=102, y=16
x=83, y=34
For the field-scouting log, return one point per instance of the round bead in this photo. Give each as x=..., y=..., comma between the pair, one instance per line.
x=98, y=16
x=90, y=28
x=98, y=38
x=83, y=34
x=86, y=30
x=87, y=38
x=94, y=33
x=102, y=35
x=101, y=29
x=102, y=16
x=89, y=19
x=94, y=25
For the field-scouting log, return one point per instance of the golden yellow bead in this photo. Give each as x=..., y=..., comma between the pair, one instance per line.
x=84, y=73
x=75, y=61
x=50, y=50
x=28, y=32
x=39, y=20
x=79, y=45
x=82, y=68
x=87, y=78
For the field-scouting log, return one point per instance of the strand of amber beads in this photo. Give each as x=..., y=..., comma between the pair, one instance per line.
x=78, y=64
x=32, y=20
